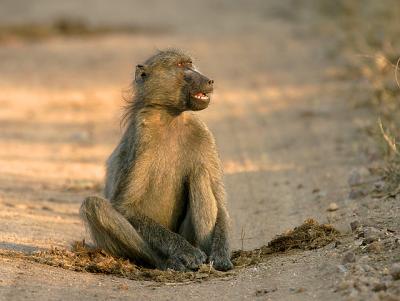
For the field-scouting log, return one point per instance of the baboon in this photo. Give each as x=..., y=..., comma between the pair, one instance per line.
x=164, y=202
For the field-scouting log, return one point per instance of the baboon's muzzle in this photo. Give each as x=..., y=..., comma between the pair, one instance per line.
x=200, y=88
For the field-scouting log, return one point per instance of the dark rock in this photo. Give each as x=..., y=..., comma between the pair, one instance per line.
x=380, y=286
x=371, y=234
x=349, y=257
x=358, y=176
x=379, y=186
x=354, y=225
x=357, y=193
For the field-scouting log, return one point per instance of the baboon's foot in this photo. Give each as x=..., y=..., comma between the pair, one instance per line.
x=221, y=262
x=173, y=263
x=184, y=260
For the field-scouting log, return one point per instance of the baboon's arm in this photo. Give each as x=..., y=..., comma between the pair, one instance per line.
x=171, y=245
x=203, y=208
x=159, y=237
x=210, y=217
x=221, y=237
x=220, y=249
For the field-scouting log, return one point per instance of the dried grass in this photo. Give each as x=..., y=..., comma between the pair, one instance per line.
x=83, y=258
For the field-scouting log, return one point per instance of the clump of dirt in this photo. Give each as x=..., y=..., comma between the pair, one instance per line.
x=84, y=258
x=310, y=235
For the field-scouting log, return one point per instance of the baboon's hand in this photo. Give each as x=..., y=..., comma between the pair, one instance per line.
x=173, y=263
x=221, y=261
x=188, y=256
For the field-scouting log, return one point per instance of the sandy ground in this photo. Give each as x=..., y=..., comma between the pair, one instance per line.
x=286, y=133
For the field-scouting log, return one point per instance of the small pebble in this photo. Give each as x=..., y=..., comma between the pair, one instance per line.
x=367, y=268
x=372, y=234
x=333, y=207
x=123, y=286
x=354, y=225
x=379, y=186
x=395, y=271
x=342, y=268
x=380, y=286
x=357, y=193
x=345, y=285
x=349, y=257
x=358, y=242
x=354, y=178
x=297, y=290
x=358, y=176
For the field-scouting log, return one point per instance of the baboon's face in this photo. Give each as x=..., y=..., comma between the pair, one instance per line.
x=170, y=79
x=197, y=88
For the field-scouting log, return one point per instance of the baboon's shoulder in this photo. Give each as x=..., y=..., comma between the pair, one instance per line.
x=198, y=128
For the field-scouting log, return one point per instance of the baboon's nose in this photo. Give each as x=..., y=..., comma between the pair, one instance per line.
x=210, y=84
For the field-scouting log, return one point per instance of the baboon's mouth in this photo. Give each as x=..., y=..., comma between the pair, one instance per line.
x=201, y=96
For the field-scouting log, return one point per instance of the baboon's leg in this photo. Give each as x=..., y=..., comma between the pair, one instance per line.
x=209, y=220
x=113, y=233
x=181, y=255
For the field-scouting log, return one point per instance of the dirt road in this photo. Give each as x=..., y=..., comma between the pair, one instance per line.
x=287, y=137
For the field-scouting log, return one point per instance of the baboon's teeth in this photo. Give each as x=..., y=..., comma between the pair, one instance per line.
x=201, y=96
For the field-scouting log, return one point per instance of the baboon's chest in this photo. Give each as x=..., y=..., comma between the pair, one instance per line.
x=159, y=180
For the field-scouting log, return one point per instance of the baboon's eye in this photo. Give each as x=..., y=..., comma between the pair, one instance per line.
x=185, y=64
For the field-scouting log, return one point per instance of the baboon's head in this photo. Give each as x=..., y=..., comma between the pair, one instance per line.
x=169, y=79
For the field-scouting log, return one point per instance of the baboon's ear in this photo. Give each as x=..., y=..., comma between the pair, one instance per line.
x=140, y=73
